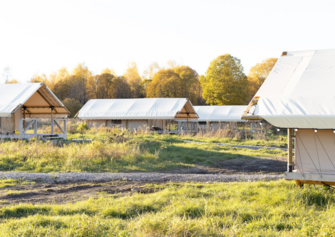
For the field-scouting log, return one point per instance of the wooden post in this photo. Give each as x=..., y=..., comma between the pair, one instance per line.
x=290, y=150
x=52, y=121
x=35, y=127
x=126, y=124
x=21, y=129
x=14, y=122
x=65, y=129
x=24, y=117
x=7, y=121
x=187, y=123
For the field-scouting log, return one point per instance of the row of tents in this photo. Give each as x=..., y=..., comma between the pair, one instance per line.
x=298, y=95
x=22, y=104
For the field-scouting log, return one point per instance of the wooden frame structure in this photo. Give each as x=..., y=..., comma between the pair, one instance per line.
x=27, y=103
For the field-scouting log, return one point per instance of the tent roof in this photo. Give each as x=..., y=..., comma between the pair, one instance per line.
x=299, y=91
x=36, y=97
x=220, y=113
x=148, y=108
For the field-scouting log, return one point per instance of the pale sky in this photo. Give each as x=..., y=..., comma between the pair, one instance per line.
x=43, y=36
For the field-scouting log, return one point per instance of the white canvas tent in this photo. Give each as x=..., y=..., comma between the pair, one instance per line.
x=220, y=113
x=299, y=95
x=215, y=117
x=22, y=104
x=135, y=113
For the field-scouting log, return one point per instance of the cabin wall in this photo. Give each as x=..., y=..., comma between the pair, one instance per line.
x=129, y=124
x=314, y=151
x=4, y=124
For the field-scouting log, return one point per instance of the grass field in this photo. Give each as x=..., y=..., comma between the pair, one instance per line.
x=119, y=154
x=275, y=208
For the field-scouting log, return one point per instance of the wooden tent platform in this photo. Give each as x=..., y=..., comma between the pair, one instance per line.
x=308, y=178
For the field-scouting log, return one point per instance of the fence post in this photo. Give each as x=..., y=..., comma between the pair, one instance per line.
x=35, y=127
x=52, y=127
x=21, y=128
x=65, y=129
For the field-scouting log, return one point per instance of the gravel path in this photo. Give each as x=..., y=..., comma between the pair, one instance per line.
x=239, y=146
x=64, y=178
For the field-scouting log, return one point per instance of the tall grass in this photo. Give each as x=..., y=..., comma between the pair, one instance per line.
x=227, y=209
x=118, y=152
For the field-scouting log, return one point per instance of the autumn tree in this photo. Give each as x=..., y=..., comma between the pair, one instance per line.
x=224, y=82
x=62, y=74
x=72, y=105
x=81, y=71
x=13, y=81
x=179, y=82
x=108, y=71
x=134, y=80
x=38, y=79
x=258, y=74
x=150, y=72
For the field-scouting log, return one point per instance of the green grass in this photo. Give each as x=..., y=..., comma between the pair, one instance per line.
x=105, y=154
x=13, y=182
x=270, y=141
x=274, y=208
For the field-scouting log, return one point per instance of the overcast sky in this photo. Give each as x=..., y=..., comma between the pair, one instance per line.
x=43, y=36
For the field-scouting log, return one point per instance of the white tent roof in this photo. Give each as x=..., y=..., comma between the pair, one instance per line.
x=220, y=113
x=36, y=97
x=300, y=91
x=148, y=108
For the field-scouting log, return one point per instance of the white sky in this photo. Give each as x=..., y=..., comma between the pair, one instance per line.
x=43, y=36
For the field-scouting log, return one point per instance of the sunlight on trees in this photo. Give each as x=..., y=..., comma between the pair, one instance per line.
x=224, y=82
x=258, y=74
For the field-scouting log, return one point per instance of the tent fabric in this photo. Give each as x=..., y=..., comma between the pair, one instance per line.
x=315, y=151
x=299, y=91
x=36, y=97
x=148, y=108
x=220, y=113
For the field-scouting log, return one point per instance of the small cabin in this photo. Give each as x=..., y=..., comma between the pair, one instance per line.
x=22, y=105
x=298, y=95
x=155, y=114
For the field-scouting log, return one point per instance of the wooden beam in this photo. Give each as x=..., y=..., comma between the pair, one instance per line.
x=290, y=150
x=309, y=178
x=245, y=115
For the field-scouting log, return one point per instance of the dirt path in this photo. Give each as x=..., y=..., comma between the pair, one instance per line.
x=69, y=193
x=76, y=177
x=60, y=193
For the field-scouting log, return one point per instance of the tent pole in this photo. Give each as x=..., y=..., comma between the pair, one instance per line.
x=290, y=150
x=24, y=117
x=187, y=123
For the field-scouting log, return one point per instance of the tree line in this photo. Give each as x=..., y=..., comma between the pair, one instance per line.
x=224, y=83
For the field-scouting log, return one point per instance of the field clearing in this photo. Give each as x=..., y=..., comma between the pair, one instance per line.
x=274, y=208
x=140, y=153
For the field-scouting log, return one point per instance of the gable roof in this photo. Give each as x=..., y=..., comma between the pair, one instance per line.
x=299, y=92
x=36, y=97
x=147, y=108
x=220, y=113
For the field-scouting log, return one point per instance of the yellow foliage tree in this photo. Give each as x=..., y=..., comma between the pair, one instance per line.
x=258, y=74
x=14, y=81
x=224, y=82
x=134, y=80
x=108, y=71
x=179, y=82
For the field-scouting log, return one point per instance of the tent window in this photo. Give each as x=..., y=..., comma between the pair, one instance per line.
x=116, y=121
